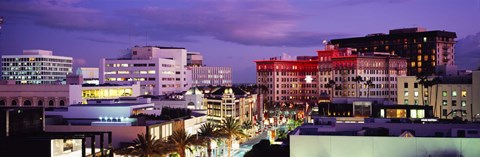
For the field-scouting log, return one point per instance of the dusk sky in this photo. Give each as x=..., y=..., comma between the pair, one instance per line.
x=227, y=32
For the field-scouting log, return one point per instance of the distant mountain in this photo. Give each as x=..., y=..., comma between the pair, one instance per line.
x=468, y=52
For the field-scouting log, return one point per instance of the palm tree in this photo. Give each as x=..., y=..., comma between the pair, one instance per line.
x=247, y=125
x=357, y=79
x=180, y=141
x=434, y=82
x=145, y=146
x=208, y=133
x=231, y=129
x=330, y=84
x=369, y=84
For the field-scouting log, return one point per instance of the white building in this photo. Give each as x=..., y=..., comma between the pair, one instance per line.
x=36, y=67
x=160, y=70
x=450, y=96
x=211, y=76
x=90, y=75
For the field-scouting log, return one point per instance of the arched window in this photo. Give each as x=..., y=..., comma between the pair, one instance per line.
x=62, y=103
x=14, y=103
x=27, y=103
x=40, y=103
x=2, y=102
x=50, y=103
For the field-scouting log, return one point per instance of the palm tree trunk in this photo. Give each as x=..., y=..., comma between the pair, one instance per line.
x=209, y=148
x=229, y=145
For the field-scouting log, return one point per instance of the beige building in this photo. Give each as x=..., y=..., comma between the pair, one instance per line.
x=225, y=102
x=39, y=94
x=450, y=97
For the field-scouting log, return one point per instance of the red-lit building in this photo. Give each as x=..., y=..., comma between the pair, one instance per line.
x=288, y=81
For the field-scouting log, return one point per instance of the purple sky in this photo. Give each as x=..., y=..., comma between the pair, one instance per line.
x=227, y=32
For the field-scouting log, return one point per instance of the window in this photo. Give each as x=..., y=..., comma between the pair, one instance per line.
x=444, y=102
x=40, y=103
x=62, y=103
x=405, y=93
x=415, y=94
x=50, y=103
x=415, y=102
x=454, y=102
x=405, y=101
x=454, y=93
x=27, y=103
x=405, y=85
x=444, y=93
x=14, y=103
x=444, y=112
x=464, y=103
x=464, y=93
x=415, y=85
x=2, y=102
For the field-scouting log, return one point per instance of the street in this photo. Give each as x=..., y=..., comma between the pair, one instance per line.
x=247, y=145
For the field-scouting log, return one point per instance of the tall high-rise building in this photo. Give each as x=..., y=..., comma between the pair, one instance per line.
x=211, y=76
x=160, y=70
x=286, y=80
x=429, y=52
x=36, y=67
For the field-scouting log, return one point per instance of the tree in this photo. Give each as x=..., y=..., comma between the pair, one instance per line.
x=231, y=129
x=208, y=133
x=357, y=79
x=180, y=141
x=330, y=84
x=145, y=146
x=247, y=125
x=369, y=84
x=434, y=82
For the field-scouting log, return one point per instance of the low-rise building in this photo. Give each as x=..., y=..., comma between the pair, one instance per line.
x=223, y=102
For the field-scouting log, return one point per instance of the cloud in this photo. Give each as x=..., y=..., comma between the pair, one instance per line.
x=101, y=40
x=467, y=52
x=263, y=23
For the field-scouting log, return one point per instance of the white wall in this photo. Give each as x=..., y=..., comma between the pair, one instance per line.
x=364, y=146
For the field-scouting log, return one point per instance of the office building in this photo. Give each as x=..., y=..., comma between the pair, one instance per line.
x=160, y=70
x=287, y=80
x=450, y=97
x=362, y=75
x=428, y=51
x=194, y=59
x=90, y=75
x=211, y=76
x=109, y=91
x=36, y=67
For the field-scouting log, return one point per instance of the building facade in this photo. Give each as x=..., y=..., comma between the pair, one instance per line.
x=28, y=95
x=90, y=75
x=223, y=102
x=367, y=75
x=450, y=96
x=211, y=76
x=36, y=67
x=288, y=80
x=194, y=59
x=109, y=91
x=428, y=51
x=160, y=70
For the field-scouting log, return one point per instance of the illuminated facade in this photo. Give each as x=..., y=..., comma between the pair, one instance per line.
x=288, y=80
x=233, y=102
x=90, y=75
x=106, y=91
x=450, y=96
x=160, y=70
x=343, y=68
x=211, y=76
x=428, y=51
x=36, y=67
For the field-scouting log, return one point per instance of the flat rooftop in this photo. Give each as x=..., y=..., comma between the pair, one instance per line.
x=110, y=105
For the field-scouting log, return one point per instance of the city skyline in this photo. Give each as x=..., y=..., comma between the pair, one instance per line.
x=225, y=32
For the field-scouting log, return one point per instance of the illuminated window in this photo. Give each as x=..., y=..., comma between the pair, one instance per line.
x=464, y=93
x=425, y=57
x=151, y=72
x=444, y=93
x=454, y=93
x=444, y=102
x=419, y=58
x=413, y=64
x=419, y=70
x=415, y=94
x=419, y=64
x=464, y=103
x=405, y=101
x=424, y=39
x=433, y=57
x=405, y=93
